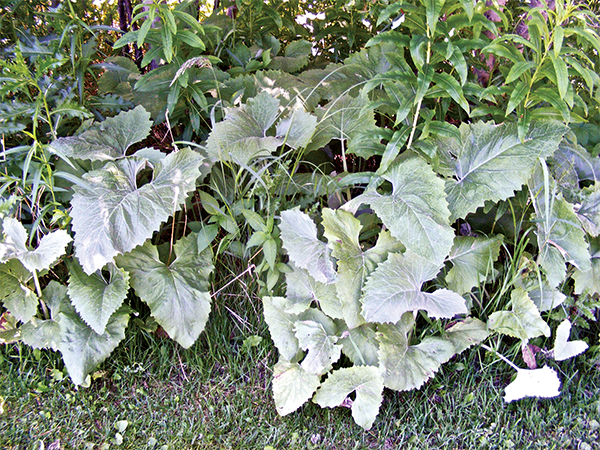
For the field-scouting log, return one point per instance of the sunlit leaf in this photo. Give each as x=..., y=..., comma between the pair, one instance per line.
x=292, y=386
x=112, y=215
x=302, y=290
x=15, y=294
x=563, y=348
x=542, y=382
x=322, y=349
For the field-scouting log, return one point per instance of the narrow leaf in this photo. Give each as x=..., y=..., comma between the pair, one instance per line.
x=449, y=84
x=517, y=96
x=562, y=75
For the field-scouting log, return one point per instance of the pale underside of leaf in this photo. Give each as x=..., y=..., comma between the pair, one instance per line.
x=395, y=288
x=111, y=215
x=542, y=383
x=563, y=348
x=366, y=381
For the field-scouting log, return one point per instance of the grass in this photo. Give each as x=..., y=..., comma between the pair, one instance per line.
x=153, y=394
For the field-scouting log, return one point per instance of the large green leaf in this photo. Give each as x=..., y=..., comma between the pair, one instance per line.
x=299, y=236
x=523, y=321
x=366, y=381
x=342, y=230
x=111, y=215
x=560, y=235
x=243, y=134
x=16, y=296
x=588, y=282
x=50, y=247
x=395, y=288
x=292, y=386
x=109, y=139
x=490, y=162
x=404, y=366
x=95, y=297
x=360, y=345
x=466, y=333
x=321, y=346
x=297, y=129
x=81, y=347
x=302, y=290
x=588, y=211
x=39, y=333
x=281, y=326
x=177, y=291
x=472, y=260
x=416, y=211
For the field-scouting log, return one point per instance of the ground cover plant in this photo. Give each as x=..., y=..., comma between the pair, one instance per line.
x=430, y=193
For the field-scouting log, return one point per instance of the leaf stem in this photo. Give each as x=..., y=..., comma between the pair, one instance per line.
x=502, y=357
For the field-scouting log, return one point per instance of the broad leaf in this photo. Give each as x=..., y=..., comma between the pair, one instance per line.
x=16, y=296
x=416, y=211
x=542, y=382
x=109, y=139
x=472, y=262
x=360, y=345
x=302, y=290
x=81, y=347
x=299, y=236
x=176, y=291
x=588, y=211
x=320, y=345
x=292, y=386
x=95, y=297
x=111, y=215
x=9, y=331
x=523, y=321
x=466, y=333
x=588, y=282
x=561, y=237
x=490, y=162
x=298, y=129
x=50, y=247
x=395, y=288
x=573, y=158
x=243, y=134
x=342, y=231
x=366, y=381
x=404, y=366
x=281, y=326
x=39, y=333
x=563, y=348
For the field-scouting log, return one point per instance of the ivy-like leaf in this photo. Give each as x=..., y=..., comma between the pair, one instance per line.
x=563, y=348
x=81, y=347
x=16, y=296
x=111, y=215
x=299, y=236
x=404, y=366
x=416, y=211
x=342, y=231
x=243, y=134
x=490, y=162
x=292, y=386
x=320, y=345
x=366, y=381
x=523, y=321
x=542, y=382
x=107, y=140
x=472, y=261
x=177, y=292
x=50, y=247
x=95, y=297
x=395, y=288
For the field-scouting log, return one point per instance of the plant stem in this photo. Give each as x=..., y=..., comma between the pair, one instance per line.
x=418, y=108
x=502, y=357
x=38, y=290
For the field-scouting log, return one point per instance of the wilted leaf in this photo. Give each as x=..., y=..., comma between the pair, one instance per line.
x=563, y=348
x=111, y=215
x=542, y=382
x=395, y=288
x=366, y=381
x=176, y=291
